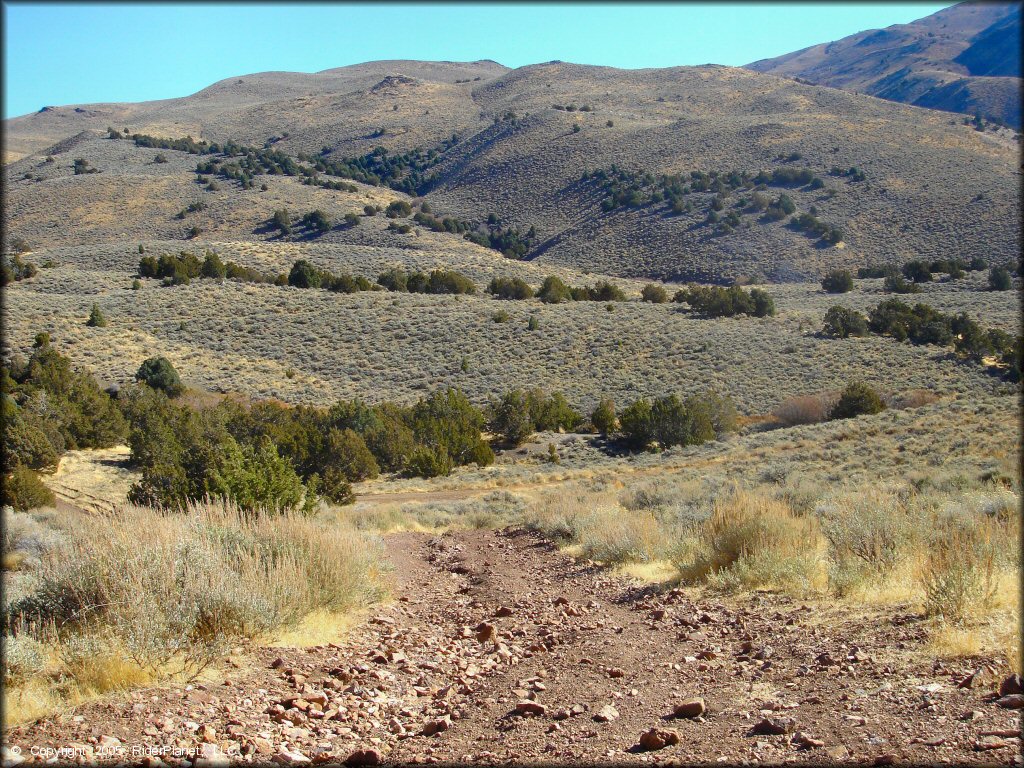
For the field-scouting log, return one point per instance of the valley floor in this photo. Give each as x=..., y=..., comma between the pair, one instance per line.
x=509, y=650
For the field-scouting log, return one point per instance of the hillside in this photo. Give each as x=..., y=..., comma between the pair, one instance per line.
x=523, y=140
x=962, y=59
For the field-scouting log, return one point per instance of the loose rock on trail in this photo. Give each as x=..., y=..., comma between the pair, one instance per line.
x=498, y=648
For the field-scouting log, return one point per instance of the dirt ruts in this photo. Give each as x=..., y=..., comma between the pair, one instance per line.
x=501, y=649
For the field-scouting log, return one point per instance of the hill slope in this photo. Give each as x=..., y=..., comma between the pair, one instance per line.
x=963, y=59
x=866, y=169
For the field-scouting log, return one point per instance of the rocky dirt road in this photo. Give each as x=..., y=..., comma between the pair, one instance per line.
x=500, y=649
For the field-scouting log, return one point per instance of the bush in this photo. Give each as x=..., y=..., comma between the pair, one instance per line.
x=636, y=424
x=918, y=271
x=449, y=425
x=554, y=291
x=158, y=373
x=394, y=279
x=398, y=209
x=23, y=490
x=806, y=409
x=896, y=284
x=603, y=417
x=304, y=275
x=213, y=267
x=656, y=294
x=256, y=478
x=511, y=418
x=751, y=540
x=958, y=573
x=858, y=399
x=446, y=281
x=317, y=220
x=96, y=318
x=509, y=288
x=191, y=588
x=838, y=281
x=283, y=221
x=716, y=301
x=868, y=535
x=429, y=462
x=999, y=279
x=48, y=408
x=842, y=322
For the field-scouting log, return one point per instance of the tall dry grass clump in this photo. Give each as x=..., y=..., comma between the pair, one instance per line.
x=871, y=535
x=140, y=595
x=806, y=409
x=963, y=560
x=751, y=540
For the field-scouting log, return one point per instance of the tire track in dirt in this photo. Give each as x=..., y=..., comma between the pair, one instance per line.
x=498, y=648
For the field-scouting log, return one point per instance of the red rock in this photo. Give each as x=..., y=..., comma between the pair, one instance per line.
x=805, y=741
x=437, y=726
x=1012, y=701
x=364, y=757
x=1011, y=685
x=690, y=708
x=657, y=738
x=529, y=708
x=770, y=727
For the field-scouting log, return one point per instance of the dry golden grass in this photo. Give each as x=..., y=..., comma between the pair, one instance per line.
x=110, y=610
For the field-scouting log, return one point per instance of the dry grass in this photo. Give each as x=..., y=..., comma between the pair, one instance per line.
x=752, y=540
x=108, y=610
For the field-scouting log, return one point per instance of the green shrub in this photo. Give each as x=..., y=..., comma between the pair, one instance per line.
x=159, y=373
x=838, y=281
x=429, y=462
x=510, y=418
x=858, y=399
x=654, y=293
x=317, y=220
x=213, y=267
x=509, y=288
x=896, y=284
x=603, y=417
x=637, y=425
x=394, y=279
x=398, y=209
x=305, y=275
x=24, y=490
x=554, y=291
x=283, y=221
x=999, y=279
x=256, y=478
x=918, y=271
x=716, y=301
x=842, y=322
x=96, y=318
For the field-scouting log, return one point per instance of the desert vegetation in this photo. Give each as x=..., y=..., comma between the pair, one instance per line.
x=99, y=610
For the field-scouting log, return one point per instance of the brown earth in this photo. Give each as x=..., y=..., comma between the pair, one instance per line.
x=511, y=652
x=933, y=188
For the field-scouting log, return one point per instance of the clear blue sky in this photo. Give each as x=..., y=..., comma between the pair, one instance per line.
x=57, y=54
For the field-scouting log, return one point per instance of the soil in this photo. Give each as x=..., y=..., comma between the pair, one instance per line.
x=509, y=651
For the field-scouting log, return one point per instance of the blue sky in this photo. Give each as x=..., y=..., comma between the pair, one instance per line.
x=58, y=54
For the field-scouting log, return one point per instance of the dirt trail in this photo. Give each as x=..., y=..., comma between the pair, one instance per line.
x=506, y=650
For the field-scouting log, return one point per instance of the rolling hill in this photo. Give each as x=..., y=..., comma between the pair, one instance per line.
x=623, y=172
x=962, y=59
